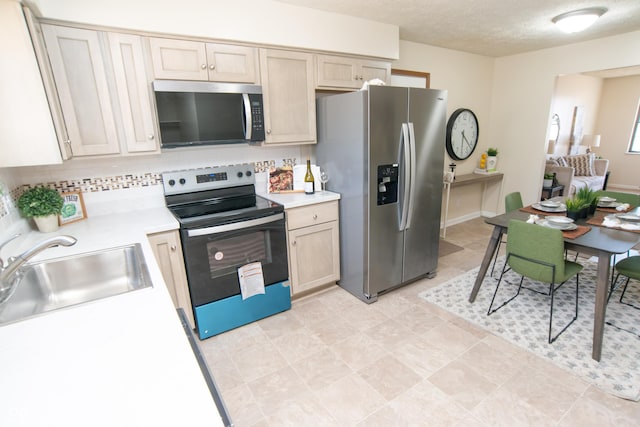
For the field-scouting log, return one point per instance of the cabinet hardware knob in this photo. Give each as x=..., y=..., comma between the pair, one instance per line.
x=151, y=136
x=268, y=131
x=212, y=67
x=173, y=248
x=315, y=216
x=203, y=66
x=293, y=243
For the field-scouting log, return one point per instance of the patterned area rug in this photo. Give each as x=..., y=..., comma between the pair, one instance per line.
x=525, y=321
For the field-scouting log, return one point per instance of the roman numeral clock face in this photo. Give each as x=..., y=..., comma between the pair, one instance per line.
x=462, y=134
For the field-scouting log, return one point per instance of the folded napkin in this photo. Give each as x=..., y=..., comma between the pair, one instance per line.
x=613, y=222
x=533, y=219
x=623, y=207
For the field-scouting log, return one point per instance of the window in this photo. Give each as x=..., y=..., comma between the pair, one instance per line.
x=634, y=147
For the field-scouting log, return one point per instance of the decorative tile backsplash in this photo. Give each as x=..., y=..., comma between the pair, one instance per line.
x=8, y=200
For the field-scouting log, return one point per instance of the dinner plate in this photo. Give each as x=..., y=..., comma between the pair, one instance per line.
x=629, y=217
x=550, y=204
x=602, y=204
x=607, y=199
x=539, y=207
x=565, y=227
x=559, y=220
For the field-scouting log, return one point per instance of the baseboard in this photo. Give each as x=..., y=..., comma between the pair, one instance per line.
x=624, y=188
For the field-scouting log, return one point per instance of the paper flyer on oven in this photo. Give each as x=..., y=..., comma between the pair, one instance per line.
x=251, y=280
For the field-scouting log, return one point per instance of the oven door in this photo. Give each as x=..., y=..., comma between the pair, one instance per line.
x=214, y=254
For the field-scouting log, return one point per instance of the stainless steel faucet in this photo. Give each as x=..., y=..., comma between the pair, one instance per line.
x=8, y=271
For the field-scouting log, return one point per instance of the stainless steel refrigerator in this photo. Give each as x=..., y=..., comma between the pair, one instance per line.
x=383, y=150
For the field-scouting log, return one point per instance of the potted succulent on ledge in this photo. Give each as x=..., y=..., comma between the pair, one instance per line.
x=548, y=180
x=492, y=159
x=43, y=204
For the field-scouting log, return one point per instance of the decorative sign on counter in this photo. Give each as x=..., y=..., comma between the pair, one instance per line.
x=281, y=180
x=73, y=208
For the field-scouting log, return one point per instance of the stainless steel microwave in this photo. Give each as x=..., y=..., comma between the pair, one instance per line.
x=205, y=113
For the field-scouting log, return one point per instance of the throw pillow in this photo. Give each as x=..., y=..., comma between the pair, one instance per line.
x=582, y=164
x=557, y=161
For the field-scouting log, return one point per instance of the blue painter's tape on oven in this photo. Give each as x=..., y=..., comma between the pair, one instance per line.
x=229, y=313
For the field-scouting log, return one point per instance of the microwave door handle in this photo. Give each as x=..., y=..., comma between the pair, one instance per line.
x=217, y=229
x=248, y=119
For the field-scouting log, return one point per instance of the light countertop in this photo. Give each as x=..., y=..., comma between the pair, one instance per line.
x=296, y=200
x=119, y=361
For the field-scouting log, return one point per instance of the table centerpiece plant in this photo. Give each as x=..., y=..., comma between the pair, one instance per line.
x=43, y=204
x=590, y=199
x=575, y=207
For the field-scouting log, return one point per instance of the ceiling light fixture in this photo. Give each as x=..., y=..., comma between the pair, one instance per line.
x=578, y=20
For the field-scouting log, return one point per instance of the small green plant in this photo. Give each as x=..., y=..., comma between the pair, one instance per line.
x=492, y=151
x=587, y=195
x=40, y=201
x=574, y=204
x=549, y=175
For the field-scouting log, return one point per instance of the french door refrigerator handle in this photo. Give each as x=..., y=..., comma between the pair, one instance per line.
x=412, y=173
x=248, y=123
x=407, y=176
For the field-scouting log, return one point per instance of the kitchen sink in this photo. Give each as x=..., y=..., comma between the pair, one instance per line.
x=62, y=282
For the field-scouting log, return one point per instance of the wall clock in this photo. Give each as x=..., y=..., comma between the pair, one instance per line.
x=462, y=134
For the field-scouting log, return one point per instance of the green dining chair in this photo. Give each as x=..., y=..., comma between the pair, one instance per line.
x=630, y=268
x=537, y=252
x=512, y=202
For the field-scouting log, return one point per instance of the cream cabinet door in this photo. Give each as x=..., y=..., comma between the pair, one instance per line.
x=168, y=253
x=178, y=59
x=337, y=71
x=345, y=72
x=289, y=96
x=134, y=93
x=370, y=70
x=229, y=63
x=80, y=75
x=314, y=256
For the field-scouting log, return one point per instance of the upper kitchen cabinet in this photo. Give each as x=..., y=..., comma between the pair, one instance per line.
x=289, y=96
x=27, y=132
x=103, y=90
x=80, y=75
x=351, y=73
x=192, y=60
x=134, y=93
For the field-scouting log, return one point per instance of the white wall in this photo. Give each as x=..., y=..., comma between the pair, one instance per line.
x=257, y=21
x=618, y=107
x=571, y=91
x=522, y=96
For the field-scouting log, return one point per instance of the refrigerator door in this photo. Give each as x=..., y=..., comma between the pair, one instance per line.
x=388, y=110
x=427, y=113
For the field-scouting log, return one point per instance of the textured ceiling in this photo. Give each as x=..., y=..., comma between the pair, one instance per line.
x=486, y=27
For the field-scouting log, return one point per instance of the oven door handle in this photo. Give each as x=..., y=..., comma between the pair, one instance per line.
x=234, y=226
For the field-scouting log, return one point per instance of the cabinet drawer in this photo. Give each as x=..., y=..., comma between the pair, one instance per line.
x=312, y=215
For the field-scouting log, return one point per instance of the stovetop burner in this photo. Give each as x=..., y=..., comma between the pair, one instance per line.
x=210, y=196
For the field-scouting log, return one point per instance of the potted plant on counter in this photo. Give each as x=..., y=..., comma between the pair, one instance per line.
x=43, y=204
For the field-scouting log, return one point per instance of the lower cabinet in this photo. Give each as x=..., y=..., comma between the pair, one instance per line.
x=168, y=252
x=314, y=246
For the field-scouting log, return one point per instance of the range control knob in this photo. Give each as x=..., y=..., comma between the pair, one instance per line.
x=172, y=182
x=182, y=181
x=248, y=173
x=240, y=174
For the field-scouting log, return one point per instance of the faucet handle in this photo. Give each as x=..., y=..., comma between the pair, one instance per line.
x=4, y=243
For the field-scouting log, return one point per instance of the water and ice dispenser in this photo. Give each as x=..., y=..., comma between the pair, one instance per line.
x=387, y=184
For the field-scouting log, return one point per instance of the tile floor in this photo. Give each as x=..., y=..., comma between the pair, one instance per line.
x=333, y=360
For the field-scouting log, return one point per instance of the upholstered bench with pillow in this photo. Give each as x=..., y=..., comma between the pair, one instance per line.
x=575, y=172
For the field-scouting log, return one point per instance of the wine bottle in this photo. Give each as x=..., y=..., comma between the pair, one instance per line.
x=309, y=182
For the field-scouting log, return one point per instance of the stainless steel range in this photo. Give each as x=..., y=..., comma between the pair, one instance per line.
x=224, y=226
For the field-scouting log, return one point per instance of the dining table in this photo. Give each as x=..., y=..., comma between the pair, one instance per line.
x=600, y=241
